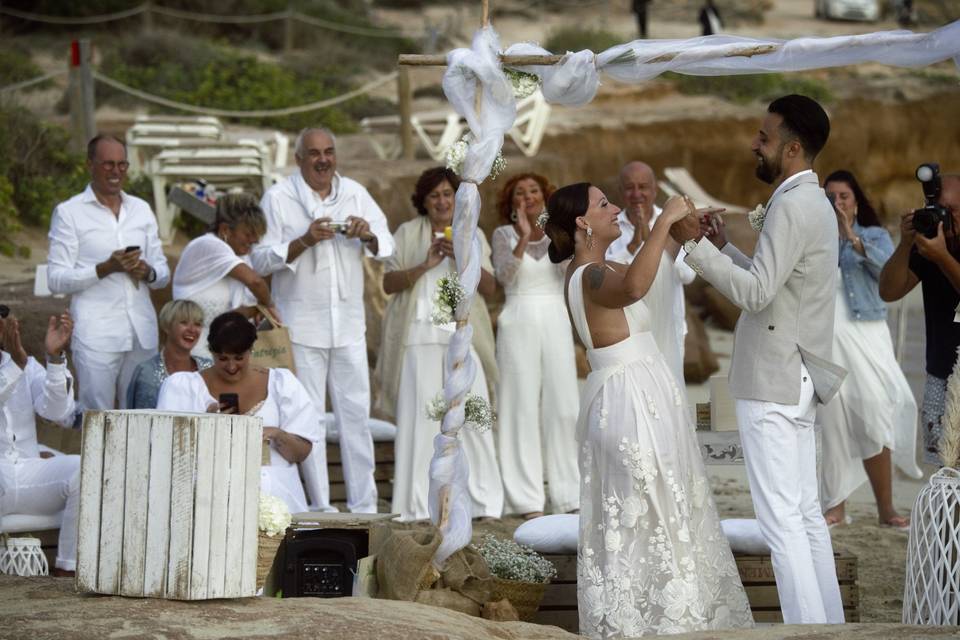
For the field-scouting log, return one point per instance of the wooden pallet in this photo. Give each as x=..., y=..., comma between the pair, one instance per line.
x=382, y=474
x=559, y=605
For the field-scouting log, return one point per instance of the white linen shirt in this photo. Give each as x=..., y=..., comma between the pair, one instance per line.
x=320, y=294
x=47, y=392
x=108, y=312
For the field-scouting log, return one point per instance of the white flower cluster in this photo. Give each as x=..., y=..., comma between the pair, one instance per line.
x=274, y=515
x=508, y=560
x=448, y=295
x=756, y=217
x=524, y=84
x=478, y=414
x=457, y=153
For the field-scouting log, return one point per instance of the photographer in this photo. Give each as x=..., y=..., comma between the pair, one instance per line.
x=934, y=262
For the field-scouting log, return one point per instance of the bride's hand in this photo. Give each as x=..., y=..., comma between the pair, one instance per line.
x=675, y=209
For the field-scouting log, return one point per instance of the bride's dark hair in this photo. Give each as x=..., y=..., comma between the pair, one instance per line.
x=564, y=207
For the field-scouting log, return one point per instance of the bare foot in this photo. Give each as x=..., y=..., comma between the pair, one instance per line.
x=532, y=515
x=835, y=515
x=895, y=521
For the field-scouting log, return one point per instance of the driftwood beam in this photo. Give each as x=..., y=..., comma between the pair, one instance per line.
x=440, y=60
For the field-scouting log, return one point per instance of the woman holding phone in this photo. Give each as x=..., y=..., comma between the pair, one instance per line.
x=233, y=385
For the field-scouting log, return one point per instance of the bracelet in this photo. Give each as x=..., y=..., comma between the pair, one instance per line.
x=302, y=243
x=58, y=359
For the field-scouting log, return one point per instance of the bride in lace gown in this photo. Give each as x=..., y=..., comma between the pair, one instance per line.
x=652, y=558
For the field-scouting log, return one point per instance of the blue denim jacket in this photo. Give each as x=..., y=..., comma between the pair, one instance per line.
x=861, y=274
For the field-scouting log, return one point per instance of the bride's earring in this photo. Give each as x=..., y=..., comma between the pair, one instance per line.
x=589, y=238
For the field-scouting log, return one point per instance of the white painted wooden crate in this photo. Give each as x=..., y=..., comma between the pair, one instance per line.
x=169, y=504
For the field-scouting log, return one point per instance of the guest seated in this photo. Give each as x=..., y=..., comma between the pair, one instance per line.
x=214, y=271
x=31, y=482
x=275, y=395
x=181, y=324
x=410, y=367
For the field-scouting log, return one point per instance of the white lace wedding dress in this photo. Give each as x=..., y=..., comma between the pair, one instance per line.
x=652, y=558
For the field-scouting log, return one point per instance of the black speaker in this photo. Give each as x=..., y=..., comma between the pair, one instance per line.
x=320, y=563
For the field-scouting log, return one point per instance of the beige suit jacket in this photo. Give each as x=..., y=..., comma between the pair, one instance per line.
x=787, y=292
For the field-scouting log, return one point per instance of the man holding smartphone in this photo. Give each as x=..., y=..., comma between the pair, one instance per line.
x=103, y=244
x=319, y=226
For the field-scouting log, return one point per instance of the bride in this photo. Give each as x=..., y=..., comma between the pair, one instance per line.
x=652, y=558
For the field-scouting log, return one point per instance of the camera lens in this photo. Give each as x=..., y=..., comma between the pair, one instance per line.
x=924, y=173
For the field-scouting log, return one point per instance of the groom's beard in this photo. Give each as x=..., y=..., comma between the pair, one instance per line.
x=769, y=169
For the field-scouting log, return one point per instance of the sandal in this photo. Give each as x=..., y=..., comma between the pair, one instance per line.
x=532, y=515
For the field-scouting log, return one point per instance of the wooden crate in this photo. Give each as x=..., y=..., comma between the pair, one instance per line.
x=559, y=605
x=382, y=473
x=169, y=504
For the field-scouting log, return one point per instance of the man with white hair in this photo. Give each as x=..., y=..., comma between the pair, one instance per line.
x=319, y=225
x=638, y=186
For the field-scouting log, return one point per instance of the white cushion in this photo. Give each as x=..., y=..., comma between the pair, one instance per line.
x=381, y=430
x=20, y=522
x=550, y=534
x=744, y=536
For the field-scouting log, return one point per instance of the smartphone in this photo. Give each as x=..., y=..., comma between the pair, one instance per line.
x=133, y=247
x=229, y=400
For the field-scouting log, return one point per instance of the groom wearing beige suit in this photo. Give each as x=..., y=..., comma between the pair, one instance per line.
x=781, y=365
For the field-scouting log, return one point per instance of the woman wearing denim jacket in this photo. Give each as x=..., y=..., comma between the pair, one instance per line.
x=874, y=413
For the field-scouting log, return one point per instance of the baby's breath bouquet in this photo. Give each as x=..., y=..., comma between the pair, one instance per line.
x=457, y=153
x=274, y=515
x=448, y=295
x=524, y=84
x=477, y=412
x=508, y=560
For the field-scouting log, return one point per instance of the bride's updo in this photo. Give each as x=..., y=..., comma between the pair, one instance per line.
x=564, y=207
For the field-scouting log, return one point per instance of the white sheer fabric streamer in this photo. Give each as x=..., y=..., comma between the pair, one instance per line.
x=574, y=81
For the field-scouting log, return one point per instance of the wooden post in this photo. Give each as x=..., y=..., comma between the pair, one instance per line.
x=288, y=27
x=82, y=104
x=404, y=99
x=147, y=23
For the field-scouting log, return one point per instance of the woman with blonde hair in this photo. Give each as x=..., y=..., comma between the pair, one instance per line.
x=214, y=270
x=537, y=394
x=410, y=366
x=181, y=324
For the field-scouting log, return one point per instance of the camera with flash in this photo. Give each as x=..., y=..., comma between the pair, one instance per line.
x=927, y=219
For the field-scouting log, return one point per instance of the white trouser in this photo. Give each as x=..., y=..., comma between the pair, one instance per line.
x=779, y=447
x=537, y=406
x=346, y=371
x=45, y=486
x=103, y=376
x=420, y=382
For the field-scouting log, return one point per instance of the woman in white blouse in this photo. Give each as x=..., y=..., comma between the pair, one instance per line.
x=538, y=395
x=214, y=271
x=290, y=421
x=410, y=366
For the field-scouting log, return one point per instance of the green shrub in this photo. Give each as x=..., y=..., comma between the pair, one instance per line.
x=747, y=88
x=578, y=38
x=16, y=66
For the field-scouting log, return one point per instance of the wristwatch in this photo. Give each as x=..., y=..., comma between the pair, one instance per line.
x=152, y=276
x=689, y=246
x=59, y=359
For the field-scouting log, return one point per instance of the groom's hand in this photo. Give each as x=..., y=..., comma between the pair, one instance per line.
x=687, y=228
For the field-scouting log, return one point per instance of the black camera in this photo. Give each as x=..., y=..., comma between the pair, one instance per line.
x=927, y=219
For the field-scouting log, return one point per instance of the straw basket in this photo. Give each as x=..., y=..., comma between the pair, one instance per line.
x=524, y=596
x=930, y=594
x=22, y=557
x=266, y=551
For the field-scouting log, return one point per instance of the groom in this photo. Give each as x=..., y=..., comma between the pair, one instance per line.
x=781, y=365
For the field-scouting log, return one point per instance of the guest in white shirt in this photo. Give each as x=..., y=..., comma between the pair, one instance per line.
x=214, y=269
x=34, y=482
x=106, y=253
x=638, y=186
x=319, y=226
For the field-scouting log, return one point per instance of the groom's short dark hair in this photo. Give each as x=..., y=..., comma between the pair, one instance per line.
x=805, y=120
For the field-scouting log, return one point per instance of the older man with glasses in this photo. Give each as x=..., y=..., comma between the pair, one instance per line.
x=104, y=246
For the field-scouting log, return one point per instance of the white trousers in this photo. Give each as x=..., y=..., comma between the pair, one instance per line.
x=346, y=372
x=537, y=405
x=779, y=447
x=420, y=382
x=45, y=486
x=103, y=376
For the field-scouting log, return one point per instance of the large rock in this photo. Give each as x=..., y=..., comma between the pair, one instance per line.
x=699, y=361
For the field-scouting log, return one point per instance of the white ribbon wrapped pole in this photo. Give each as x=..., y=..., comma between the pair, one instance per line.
x=479, y=91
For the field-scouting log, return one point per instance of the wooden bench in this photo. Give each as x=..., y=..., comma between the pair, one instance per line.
x=559, y=605
x=382, y=473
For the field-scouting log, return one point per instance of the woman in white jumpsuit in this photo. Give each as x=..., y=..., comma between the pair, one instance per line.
x=410, y=366
x=538, y=395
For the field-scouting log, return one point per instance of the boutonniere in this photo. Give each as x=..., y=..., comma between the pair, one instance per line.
x=756, y=217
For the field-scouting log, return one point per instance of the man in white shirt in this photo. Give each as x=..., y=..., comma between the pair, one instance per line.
x=319, y=225
x=34, y=482
x=638, y=186
x=106, y=252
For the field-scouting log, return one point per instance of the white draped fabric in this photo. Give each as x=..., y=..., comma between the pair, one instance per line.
x=478, y=90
